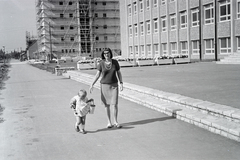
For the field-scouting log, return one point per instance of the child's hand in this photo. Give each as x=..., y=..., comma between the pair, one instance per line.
x=73, y=106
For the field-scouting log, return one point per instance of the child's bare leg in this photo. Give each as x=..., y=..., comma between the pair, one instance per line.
x=78, y=122
x=83, y=120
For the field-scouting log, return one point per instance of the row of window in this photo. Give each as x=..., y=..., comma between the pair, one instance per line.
x=71, y=3
x=73, y=50
x=71, y=27
x=68, y=51
x=61, y=15
x=225, y=47
x=145, y=3
x=71, y=39
x=96, y=38
x=224, y=12
x=208, y=18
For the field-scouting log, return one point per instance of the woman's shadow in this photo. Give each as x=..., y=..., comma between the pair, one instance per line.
x=131, y=125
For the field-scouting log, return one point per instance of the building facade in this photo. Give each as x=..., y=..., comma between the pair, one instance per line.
x=77, y=27
x=198, y=29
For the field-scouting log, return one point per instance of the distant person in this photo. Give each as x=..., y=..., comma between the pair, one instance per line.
x=81, y=107
x=109, y=70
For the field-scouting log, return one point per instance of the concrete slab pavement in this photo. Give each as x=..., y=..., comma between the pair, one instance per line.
x=39, y=125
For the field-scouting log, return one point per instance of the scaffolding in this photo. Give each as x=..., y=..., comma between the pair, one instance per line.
x=67, y=27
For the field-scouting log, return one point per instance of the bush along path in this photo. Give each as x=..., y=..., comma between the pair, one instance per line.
x=4, y=69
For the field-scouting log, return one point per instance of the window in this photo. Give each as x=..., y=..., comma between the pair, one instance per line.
x=173, y=21
x=96, y=14
x=66, y=51
x=183, y=19
x=149, y=51
x=62, y=27
x=62, y=50
x=142, y=28
x=225, y=45
x=136, y=30
x=208, y=14
x=61, y=15
x=73, y=50
x=163, y=2
x=164, y=48
x=62, y=38
x=195, y=47
x=135, y=7
x=97, y=38
x=155, y=3
x=60, y=3
x=104, y=15
x=155, y=21
x=238, y=43
x=141, y=5
x=70, y=3
x=130, y=31
x=136, y=50
x=71, y=27
x=148, y=27
x=104, y=3
x=70, y=15
x=129, y=10
x=173, y=48
x=164, y=24
x=225, y=10
x=72, y=39
x=209, y=46
x=142, y=50
x=105, y=38
x=105, y=26
x=155, y=47
x=184, y=48
x=147, y=4
x=238, y=9
x=195, y=17
x=131, y=50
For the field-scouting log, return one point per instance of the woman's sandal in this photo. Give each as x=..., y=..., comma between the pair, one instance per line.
x=109, y=126
x=117, y=126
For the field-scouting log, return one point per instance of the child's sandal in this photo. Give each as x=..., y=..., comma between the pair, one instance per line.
x=83, y=131
x=77, y=129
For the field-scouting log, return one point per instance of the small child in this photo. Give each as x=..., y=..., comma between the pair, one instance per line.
x=81, y=108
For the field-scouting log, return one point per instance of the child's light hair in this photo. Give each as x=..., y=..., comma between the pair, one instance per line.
x=82, y=93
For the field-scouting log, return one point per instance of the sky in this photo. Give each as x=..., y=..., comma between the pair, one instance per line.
x=16, y=17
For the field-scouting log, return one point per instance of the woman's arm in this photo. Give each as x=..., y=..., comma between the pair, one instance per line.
x=119, y=74
x=95, y=80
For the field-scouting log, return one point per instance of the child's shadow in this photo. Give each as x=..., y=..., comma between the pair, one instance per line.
x=131, y=125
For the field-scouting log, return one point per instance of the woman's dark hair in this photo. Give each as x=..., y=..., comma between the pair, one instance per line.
x=106, y=50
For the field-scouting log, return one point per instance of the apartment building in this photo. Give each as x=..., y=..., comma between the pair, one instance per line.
x=77, y=27
x=198, y=29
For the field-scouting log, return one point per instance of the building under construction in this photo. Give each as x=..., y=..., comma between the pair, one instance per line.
x=77, y=27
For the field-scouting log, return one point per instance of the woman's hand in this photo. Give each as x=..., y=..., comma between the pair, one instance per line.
x=121, y=86
x=91, y=89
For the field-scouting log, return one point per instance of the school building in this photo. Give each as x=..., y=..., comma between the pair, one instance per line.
x=197, y=29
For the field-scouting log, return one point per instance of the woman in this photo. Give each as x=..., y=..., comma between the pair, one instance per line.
x=109, y=70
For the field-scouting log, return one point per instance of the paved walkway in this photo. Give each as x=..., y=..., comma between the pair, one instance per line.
x=38, y=124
